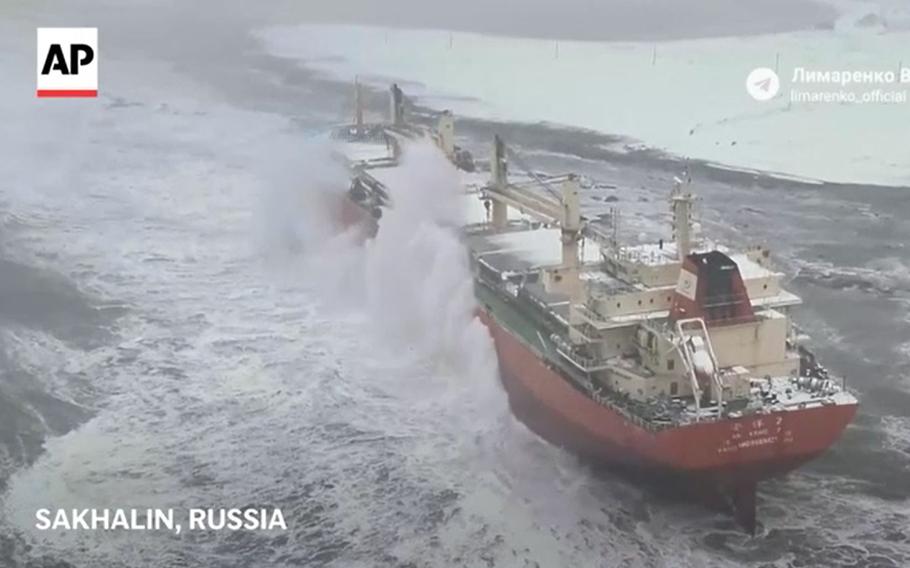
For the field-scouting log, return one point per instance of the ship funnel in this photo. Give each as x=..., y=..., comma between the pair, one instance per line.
x=681, y=207
x=711, y=287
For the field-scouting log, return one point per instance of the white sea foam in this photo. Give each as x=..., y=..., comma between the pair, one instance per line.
x=897, y=433
x=412, y=280
x=300, y=184
x=417, y=277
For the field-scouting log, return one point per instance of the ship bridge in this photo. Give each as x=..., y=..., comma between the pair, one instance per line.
x=675, y=318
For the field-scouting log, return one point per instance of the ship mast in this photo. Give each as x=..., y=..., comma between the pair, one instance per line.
x=396, y=102
x=358, y=105
x=558, y=206
x=445, y=133
x=570, y=227
x=499, y=179
x=681, y=205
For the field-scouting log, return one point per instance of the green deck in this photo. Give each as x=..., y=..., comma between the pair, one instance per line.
x=532, y=327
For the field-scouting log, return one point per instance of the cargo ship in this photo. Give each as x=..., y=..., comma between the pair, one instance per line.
x=677, y=358
x=372, y=153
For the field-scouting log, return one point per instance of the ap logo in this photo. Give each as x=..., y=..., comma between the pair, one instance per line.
x=67, y=62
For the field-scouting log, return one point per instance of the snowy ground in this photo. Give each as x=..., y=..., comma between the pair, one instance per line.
x=685, y=97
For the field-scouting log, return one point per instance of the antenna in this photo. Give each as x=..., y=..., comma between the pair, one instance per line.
x=681, y=207
x=614, y=228
x=445, y=133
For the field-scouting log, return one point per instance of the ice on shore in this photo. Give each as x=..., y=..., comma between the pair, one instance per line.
x=687, y=98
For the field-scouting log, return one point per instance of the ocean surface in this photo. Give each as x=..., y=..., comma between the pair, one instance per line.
x=179, y=328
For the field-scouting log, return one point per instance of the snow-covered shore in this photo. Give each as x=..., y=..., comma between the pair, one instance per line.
x=687, y=97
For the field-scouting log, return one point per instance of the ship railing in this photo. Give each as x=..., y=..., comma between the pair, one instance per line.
x=639, y=256
x=656, y=424
x=608, y=399
x=587, y=332
x=588, y=313
x=587, y=364
x=732, y=320
x=614, y=404
x=726, y=300
x=600, y=290
x=604, y=397
x=625, y=408
x=582, y=363
x=718, y=303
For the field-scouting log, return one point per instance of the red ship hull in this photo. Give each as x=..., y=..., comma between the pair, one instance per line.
x=712, y=458
x=729, y=457
x=351, y=216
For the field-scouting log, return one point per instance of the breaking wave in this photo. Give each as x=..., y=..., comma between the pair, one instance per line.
x=412, y=280
x=883, y=276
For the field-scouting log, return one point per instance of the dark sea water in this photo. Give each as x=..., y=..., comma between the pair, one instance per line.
x=170, y=337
